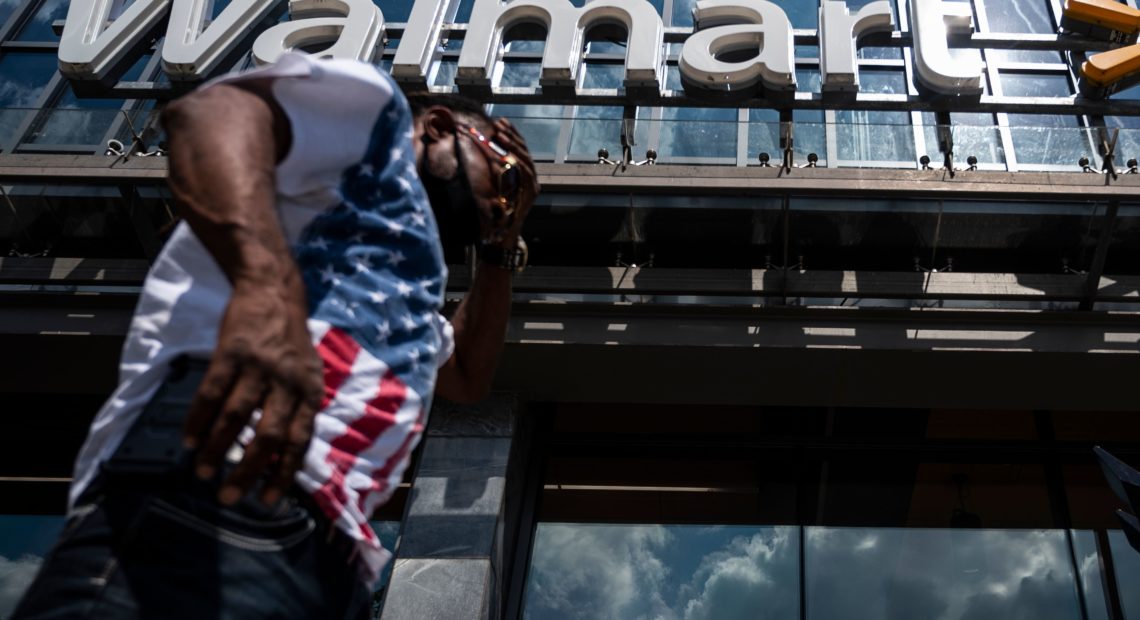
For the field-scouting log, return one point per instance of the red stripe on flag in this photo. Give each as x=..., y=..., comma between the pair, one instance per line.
x=379, y=414
x=338, y=351
x=381, y=475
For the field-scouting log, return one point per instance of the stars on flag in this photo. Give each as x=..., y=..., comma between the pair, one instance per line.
x=366, y=169
x=396, y=257
x=361, y=262
x=419, y=219
x=409, y=323
x=358, y=238
x=395, y=227
x=383, y=329
x=377, y=297
x=328, y=274
x=404, y=289
x=319, y=243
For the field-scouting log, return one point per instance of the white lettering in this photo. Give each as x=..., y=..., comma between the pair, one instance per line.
x=353, y=35
x=565, y=35
x=740, y=25
x=421, y=38
x=92, y=45
x=839, y=31
x=194, y=47
x=931, y=22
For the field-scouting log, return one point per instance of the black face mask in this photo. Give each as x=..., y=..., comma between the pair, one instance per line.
x=453, y=203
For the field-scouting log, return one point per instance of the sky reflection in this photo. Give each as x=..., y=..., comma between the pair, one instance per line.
x=689, y=572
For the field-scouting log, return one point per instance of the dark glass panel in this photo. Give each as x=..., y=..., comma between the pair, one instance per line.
x=889, y=235
x=1092, y=580
x=38, y=28
x=1126, y=561
x=25, y=76
x=25, y=542
x=539, y=124
x=1050, y=139
x=395, y=10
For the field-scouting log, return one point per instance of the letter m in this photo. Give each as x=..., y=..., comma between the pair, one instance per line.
x=565, y=27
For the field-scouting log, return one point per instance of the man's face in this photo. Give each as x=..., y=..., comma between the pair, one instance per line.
x=455, y=170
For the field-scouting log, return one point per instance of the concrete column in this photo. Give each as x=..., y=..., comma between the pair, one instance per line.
x=461, y=519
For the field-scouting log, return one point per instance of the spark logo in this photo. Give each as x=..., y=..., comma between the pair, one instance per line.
x=1108, y=20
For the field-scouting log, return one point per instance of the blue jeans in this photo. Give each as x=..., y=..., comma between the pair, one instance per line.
x=176, y=553
x=149, y=540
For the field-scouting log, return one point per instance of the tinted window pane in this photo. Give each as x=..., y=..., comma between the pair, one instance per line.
x=974, y=134
x=520, y=74
x=597, y=127
x=874, y=136
x=877, y=52
x=25, y=76
x=1051, y=139
x=1126, y=560
x=663, y=571
x=697, y=132
x=1092, y=581
x=603, y=75
x=1019, y=16
x=395, y=10
x=6, y=9
x=539, y=124
x=894, y=573
x=802, y=13
x=25, y=541
x=38, y=28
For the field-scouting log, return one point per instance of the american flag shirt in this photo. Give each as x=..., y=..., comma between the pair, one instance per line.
x=365, y=240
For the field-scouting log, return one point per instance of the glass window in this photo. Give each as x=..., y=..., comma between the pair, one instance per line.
x=719, y=572
x=1092, y=581
x=520, y=74
x=599, y=75
x=539, y=124
x=82, y=121
x=597, y=127
x=1051, y=139
x=7, y=7
x=1004, y=56
x=26, y=540
x=25, y=75
x=764, y=135
x=38, y=28
x=395, y=10
x=697, y=132
x=1030, y=16
x=918, y=573
x=445, y=73
x=1126, y=561
x=974, y=133
x=802, y=13
x=876, y=136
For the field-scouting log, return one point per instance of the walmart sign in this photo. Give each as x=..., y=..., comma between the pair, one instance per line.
x=99, y=34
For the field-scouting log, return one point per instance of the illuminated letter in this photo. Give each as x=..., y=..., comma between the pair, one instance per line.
x=565, y=30
x=352, y=36
x=838, y=32
x=930, y=22
x=735, y=25
x=90, y=46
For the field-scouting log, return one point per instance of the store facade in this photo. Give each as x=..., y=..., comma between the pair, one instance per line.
x=828, y=305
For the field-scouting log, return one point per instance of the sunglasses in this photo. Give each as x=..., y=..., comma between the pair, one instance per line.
x=509, y=181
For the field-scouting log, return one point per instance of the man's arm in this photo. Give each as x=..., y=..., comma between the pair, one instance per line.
x=225, y=142
x=480, y=322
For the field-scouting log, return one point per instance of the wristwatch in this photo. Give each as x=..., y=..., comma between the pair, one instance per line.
x=513, y=259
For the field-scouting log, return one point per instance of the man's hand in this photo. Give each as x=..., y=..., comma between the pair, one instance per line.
x=264, y=360
x=510, y=139
x=224, y=145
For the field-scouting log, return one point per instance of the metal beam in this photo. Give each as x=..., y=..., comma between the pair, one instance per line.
x=670, y=179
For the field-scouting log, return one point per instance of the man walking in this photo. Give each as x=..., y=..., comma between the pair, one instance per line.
x=285, y=349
